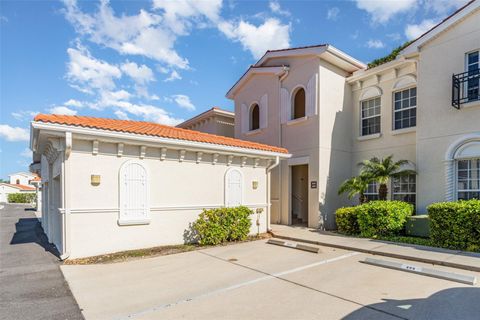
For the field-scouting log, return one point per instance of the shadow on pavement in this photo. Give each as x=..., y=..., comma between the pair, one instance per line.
x=454, y=303
x=29, y=230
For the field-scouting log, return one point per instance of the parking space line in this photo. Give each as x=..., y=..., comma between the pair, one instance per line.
x=267, y=276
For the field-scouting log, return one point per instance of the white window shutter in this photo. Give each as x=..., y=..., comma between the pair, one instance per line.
x=285, y=105
x=264, y=111
x=311, y=107
x=245, y=118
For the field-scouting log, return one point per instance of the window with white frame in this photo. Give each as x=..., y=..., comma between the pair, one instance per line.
x=370, y=116
x=468, y=179
x=404, y=189
x=405, y=108
x=372, y=191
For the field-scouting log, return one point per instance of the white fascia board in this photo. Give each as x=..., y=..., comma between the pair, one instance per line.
x=441, y=27
x=291, y=52
x=342, y=55
x=107, y=135
x=250, y=72
x=362, y=74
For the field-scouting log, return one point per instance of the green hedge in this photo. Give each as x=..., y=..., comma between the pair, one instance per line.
x=22, y=197
x=346, y=219
x=455, y=225
x=374, y=219
x=216, y=226
x=418, y=226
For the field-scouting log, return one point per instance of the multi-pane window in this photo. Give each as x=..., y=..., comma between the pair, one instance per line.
x=473, y=65
x=370, y=114
x=405, y=108
x=468, y=179
x=372, y=192
x=404, y=188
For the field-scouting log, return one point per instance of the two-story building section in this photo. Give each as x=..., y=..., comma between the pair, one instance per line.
x=331, y=112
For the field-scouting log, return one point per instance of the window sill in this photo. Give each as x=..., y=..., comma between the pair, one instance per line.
x=253, y=132
x=470, y=104
x=369, y=137
x=133, y=222
x=402, y=131
x=297, y=121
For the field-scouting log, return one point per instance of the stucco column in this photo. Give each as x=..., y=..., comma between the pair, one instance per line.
x=449, y=179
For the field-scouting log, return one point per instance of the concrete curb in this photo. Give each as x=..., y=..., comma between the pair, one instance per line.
x=384, y=254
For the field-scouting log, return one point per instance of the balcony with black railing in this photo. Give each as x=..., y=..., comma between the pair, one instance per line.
x=465, y=87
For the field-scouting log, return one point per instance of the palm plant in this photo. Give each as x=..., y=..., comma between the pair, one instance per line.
x=382, y=170
x=356, y=185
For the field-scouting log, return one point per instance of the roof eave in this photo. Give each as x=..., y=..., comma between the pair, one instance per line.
x=279, y=70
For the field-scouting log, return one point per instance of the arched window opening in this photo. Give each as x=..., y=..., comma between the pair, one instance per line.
x=254, y=117
x=299, y=104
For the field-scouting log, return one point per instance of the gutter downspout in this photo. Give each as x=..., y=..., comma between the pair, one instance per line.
x=269, y=201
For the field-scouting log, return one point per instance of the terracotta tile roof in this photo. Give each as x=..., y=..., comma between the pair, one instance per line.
x=20, y=186
x=153, y=129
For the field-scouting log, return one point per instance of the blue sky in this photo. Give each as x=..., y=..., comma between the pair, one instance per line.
x=165, y=61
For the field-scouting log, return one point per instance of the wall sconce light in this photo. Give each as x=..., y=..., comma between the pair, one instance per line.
x=95, y=179
x=255, y=185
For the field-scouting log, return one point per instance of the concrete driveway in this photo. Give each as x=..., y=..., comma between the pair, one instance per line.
x=260, y=281
x=31, y=284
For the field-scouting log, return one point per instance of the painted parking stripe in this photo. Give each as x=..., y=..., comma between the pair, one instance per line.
x=238, y=285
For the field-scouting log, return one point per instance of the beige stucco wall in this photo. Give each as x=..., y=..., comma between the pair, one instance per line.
x=439, y=124
x=217, y=124
x=178, y=192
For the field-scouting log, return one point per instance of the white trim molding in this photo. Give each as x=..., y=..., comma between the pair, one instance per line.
x=371, y=92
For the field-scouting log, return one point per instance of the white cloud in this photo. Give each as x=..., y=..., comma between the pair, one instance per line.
x=382, y=11
x=73, y=103
x=270, y=35
x=376, y=44
x=10, y=133
x=443, y=7
x=173, y=76
x=26, y=153
x=140, y=74
x=413, y=31
x=394, y=36
x=276, y=8
x=62, y=110
x=332, y=13
x=148, y=34
x=147, y=112
x=183, y=101
x=121, y=115
x=24, y=115
x=86, y=72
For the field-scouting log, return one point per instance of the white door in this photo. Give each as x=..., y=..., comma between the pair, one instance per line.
x=134, y=200
x=233, y=188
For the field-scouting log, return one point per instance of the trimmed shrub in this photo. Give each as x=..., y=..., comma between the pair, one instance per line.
x=22, y=197
x=346, y=219
x=382, y=218
x=455, y=225
x=217, y=226
x=418, y=226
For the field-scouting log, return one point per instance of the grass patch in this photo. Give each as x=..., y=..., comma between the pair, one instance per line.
x=128, y=255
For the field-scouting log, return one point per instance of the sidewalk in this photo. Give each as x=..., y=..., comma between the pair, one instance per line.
x=437, y=256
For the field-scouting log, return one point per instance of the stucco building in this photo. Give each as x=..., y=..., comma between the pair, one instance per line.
x=215, y=121
x=112, y=185
x=332, y=112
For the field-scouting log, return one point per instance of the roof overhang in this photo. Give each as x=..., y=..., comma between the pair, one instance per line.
x=254, y=70
x=362, y=74
x=82, y=133
x=205, y=115
x=447, y=23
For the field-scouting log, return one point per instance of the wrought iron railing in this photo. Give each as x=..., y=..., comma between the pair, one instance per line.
x=465, y=87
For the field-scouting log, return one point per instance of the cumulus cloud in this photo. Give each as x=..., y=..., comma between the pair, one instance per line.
x=413, y=31
x=140, y=74
x=13, y=134
x=272, y=34
x=183, y=101
x=383, y=11
x=63, y=110
x=121, y=115
x=375, y=44
x=443, y=7
x=73, y=103
x=332, y=13
x=87, y=73
x=24, y=115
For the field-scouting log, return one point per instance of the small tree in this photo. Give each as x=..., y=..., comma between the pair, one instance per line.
x=356, y=185
x=382, y=170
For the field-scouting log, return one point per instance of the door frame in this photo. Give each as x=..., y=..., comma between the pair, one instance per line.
x=297, y=161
